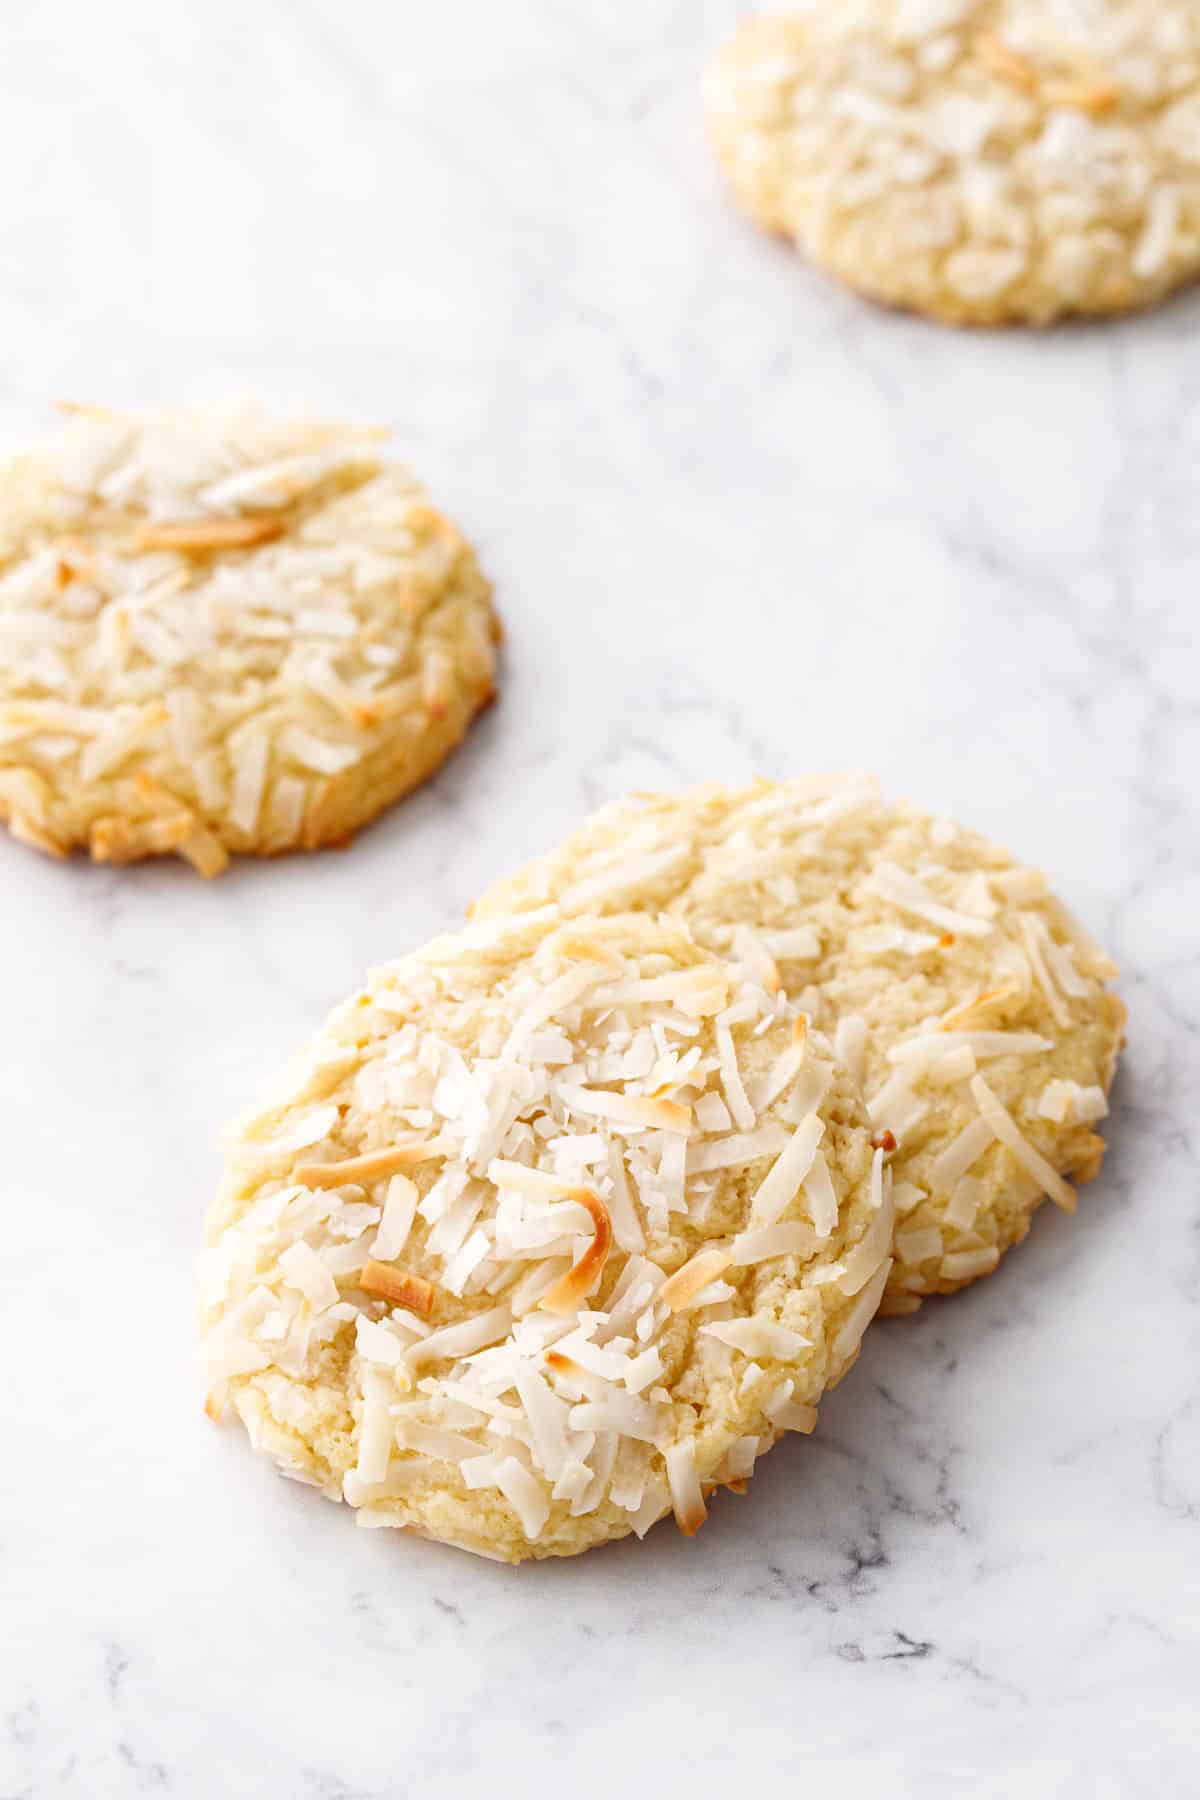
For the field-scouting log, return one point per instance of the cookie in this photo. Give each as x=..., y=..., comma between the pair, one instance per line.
x=554, y=1228
x=980, y=161
x=223, y=633
x=969, y=1001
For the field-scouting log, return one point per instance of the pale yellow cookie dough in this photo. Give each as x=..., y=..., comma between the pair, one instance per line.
x=981, y=161
x=221, y=633
x=971, y=1003
x=553, y=1228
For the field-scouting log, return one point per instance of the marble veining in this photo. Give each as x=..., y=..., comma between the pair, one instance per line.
x=738, y=522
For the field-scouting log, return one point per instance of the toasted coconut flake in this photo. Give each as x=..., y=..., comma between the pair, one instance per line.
x=1034, y=934
x=462, y=1266
x=687, y=1498
x=850, y=1042
x=850, y=1334
x=437, y=675
x=1004, y=1126
x=398, y=1287
x=1094, y=97
x=872, y=1248
x=905, y=892
x=888, y=940
x=627, y=1227
x=569, y=1292
x=894, y=1107
x=680, y=1289
x=304, y=1270
x=119, y=840
x=739, y=1462
x=947, y=1071
x=758, y=1337
x=983, y=1044
x=636, y=1111
x=914, y=1247
x=464, y=1339
x=750, y=950
x=751, y=1247
x=250, y=761
x=23, y=828
x=372, y=1166
x=731, y=1078
x=958, y=1156
x=644, y=1369
x=1004, y=61
x=797, y=943
x=1096, y=961
x=623, y=877
x=205, y=852
x=1060, y=960
x=1087, y=1161
x=428, y=1440
x=741, y=1147
x=376, y=1342
x=376, y=1434
x=523, y=1494
x=821, y=1196
x=778, y=1190
x=906, y=1196
x=1064, y=1101
x=561, y=1364
x=697, y=992
x=711, y=1113
x=968, y=1265
x=620, y=1412
x=516, y=1176
x=985, y=1002
x=794, y=1416
x=200, y=536
x=547, y=1416
x=399, y=1211
x=786, y=1067
x=1018, y=885
x=964, y=1203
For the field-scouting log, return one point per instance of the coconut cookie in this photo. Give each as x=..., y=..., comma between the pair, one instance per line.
x=552, y=1229
x=981, y=161
x=219, y=632
x=968, y=1000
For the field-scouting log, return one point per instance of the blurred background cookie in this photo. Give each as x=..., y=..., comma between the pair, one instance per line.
x=981, y=161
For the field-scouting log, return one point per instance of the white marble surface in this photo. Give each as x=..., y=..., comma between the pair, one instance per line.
x=738, y=523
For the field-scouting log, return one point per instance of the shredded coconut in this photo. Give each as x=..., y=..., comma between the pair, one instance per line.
x=533, y=1344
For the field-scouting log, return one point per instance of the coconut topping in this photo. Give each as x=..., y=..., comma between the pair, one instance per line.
x=520, y=1114
x=211, y=623
x=939, y=957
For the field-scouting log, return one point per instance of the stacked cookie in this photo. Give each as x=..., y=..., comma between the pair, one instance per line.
x=563, y=1221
